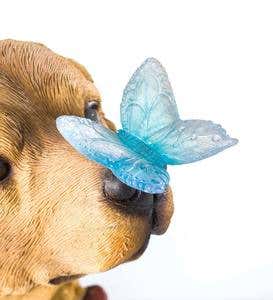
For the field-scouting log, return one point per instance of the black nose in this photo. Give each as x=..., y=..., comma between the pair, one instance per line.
x=125, y=197
x=115, y=189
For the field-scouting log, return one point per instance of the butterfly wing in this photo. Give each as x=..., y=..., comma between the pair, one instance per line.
x=102, y=145
x=191, y=140
x=148, y=103
x=149, y=111
x=142, y=175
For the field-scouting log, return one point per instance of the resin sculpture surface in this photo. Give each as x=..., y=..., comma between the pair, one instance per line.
x=152, y=135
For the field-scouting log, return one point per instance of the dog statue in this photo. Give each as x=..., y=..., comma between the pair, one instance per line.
x=57, y=223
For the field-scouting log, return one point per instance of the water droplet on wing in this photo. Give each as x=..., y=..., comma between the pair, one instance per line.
x=216, y=138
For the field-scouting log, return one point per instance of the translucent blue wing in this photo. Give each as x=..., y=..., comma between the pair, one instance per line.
x=142, y=175
x=102, y=145
x=148, y=103
x=149, y=112
x=190, y=140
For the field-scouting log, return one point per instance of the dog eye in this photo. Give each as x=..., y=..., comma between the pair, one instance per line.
x=91, y=110
x=4, y=169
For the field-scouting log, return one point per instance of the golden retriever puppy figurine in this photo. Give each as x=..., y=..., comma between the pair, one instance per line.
x=58, y=221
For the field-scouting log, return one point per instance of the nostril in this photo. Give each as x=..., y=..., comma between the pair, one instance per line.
x=115, y=189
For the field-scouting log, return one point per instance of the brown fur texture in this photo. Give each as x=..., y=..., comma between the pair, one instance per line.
x=54, y=218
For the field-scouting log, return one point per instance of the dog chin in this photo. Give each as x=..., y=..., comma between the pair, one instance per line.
x=141, y=250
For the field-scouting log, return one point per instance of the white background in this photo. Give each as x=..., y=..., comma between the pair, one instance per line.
x=219, y=56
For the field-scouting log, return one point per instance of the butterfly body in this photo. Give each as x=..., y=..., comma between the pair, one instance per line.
x=141, y=148
x=152, y=135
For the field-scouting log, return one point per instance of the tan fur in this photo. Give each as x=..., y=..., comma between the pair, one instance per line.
x=54, y=218
x=67, y=291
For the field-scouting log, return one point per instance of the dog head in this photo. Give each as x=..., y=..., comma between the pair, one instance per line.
x=61, y=215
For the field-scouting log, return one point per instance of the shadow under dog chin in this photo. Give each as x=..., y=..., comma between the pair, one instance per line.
x=63, y=279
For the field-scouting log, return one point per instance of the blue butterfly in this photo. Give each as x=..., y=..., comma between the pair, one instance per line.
x=152, y=135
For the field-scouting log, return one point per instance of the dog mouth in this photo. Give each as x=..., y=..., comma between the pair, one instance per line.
x=156, y=207
x=141, y=250
x=159, y=221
